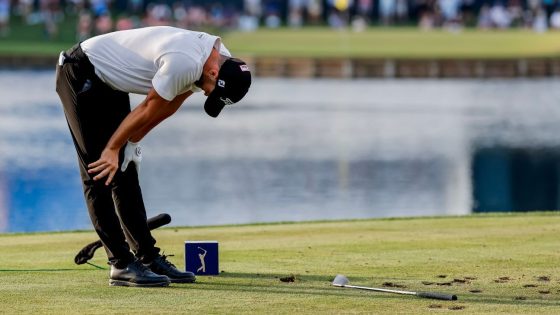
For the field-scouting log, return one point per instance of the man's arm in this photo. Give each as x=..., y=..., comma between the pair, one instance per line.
x=170, y=110
x=153, y=110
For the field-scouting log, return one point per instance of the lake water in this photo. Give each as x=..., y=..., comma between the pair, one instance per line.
x=292, y=150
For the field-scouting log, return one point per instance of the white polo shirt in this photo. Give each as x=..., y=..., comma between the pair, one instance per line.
x=166, y=58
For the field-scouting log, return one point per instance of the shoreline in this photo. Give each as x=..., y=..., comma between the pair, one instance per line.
x=348, y=68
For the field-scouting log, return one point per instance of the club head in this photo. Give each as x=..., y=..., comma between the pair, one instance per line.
x=340, y=281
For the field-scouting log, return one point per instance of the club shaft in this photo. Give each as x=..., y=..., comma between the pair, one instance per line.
x=379, y=289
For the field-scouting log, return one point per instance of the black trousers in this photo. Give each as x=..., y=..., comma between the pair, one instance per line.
x=94, y=111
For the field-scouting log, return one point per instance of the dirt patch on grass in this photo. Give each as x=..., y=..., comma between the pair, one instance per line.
x=393, y=285
x=530, y=285
x=503, y=280
x=520, y=298
x=475, y=291
x=460, y=281
x=435, y=306
x=457, y=307
x=441, y=276
x=543, y=278
x=290, y=278
x=544, y=291
x=444, y=283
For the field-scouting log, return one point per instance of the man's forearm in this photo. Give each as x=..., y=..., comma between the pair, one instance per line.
x=171, y=108
x=150, y=112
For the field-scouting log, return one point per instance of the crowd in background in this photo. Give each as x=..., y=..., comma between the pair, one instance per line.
x=100, y=16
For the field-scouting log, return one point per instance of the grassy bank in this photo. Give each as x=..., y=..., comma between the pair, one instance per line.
x=396, y=43
x=495, y=264
x=325, y=42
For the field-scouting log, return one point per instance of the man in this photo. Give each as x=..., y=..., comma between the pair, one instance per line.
x=93, y=81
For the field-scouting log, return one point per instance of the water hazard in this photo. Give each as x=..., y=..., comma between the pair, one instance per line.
x=293, y=150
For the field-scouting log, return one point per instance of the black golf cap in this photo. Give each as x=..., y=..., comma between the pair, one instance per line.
x=234, y=80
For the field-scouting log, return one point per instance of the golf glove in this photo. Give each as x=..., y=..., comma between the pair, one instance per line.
x=132, y=153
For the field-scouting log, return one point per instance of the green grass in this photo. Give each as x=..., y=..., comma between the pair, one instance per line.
x=396, y=43
x=402, y=42
x=37, y=274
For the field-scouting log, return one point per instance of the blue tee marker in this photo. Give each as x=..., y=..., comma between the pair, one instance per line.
x=201, y=257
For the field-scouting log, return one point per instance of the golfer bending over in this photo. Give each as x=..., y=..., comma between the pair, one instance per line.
x=93, y=81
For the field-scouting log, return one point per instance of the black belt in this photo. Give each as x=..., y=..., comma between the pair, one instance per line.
x=72, y=55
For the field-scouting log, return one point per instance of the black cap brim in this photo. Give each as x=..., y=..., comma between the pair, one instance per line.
x=213, y=106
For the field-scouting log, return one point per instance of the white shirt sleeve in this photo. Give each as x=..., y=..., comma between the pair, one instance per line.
x=176, y=74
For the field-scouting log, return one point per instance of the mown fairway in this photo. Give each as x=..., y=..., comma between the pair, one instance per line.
x=495, y=264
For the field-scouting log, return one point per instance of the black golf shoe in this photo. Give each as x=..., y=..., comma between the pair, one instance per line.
x=162, y=266
x=136, y=274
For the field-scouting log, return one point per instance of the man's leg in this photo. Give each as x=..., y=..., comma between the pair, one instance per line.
x=76, y=89
x=128, y=200
x=129, y=203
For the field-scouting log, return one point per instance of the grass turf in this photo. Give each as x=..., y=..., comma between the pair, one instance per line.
x=396, y=43
x=494, y=263
x=324, y=42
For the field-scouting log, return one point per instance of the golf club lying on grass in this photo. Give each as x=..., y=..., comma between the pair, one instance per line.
x=343, y=282
x=86, y=253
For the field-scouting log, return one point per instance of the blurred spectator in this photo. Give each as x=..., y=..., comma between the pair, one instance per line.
x=387, y=9
x=161, y=14
x=103, y=24
x=135, y=7
x=50, y=15
x=339, y=13
x=484, y=19
x=84, y=28
x=249, y=20
x=253, y=8
x=515, y=9
x=450, y=12
x=540, y=23
x=427, y=16
x=467, y=11
x=364, y=9
x=401, y=10
x=96, y=16
x=314, y=11
x=4, y=17
x=124, y=22
x=99, y=7
x=218, y=16
x=500, y=16
x=24, y=8
x=196, y=17
x=272, y=14
x=295, y=13
x=555, y=19
x=548, y=6
x=180, y=15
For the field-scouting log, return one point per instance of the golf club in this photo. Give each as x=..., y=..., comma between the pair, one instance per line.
x=343, y=282
x=86, y=253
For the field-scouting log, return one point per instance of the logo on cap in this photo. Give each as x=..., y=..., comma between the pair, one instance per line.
x=221, y=83
x=244, y=67
x=226, y=101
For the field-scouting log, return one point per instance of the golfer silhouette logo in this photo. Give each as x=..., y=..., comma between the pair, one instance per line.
x=201, y=256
